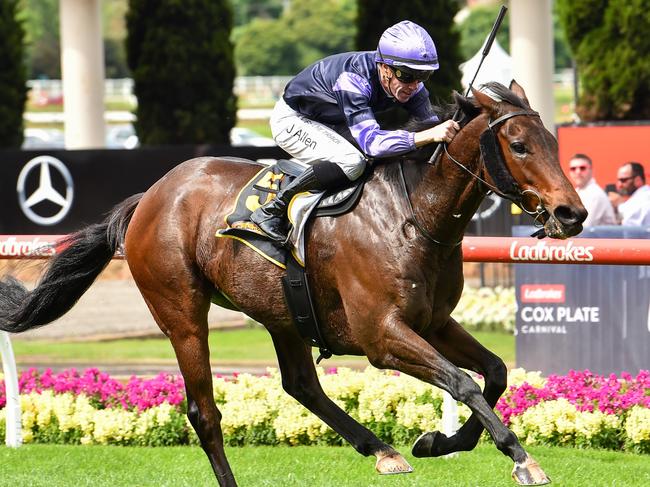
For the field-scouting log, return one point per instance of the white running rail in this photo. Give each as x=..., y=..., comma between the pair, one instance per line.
x=13, y=436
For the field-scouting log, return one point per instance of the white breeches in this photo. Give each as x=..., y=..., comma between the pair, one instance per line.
x=309, y=141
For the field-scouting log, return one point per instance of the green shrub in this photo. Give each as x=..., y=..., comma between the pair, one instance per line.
x=611, y=46
x=13, y=75
x=181, y=59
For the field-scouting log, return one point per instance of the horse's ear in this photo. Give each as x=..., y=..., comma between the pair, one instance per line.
x=468, y=106
x=519, y=91
x=484, y=100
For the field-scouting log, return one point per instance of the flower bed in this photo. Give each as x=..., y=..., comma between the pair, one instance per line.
x=581, y=409
x=487, y=308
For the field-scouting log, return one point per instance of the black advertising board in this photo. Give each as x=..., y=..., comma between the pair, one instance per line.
x=57, y=192
x=576, y=317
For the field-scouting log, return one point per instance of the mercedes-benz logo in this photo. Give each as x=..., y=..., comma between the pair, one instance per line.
x=46, y=195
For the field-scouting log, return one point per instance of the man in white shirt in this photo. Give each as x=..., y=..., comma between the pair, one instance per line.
x=631, y=182
x=593, y=197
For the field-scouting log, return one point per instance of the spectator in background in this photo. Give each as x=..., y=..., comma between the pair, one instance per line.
x=614, y=198
x=601, y=211
x=631, y=182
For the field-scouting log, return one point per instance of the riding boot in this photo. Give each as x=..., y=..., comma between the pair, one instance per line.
x=270, y=218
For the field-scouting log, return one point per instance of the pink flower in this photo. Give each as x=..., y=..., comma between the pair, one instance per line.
x=586, y=390
x=104, y=391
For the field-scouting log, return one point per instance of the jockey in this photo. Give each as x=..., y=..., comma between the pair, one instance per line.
x=342, y=93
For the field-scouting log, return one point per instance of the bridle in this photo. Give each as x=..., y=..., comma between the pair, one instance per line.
x=505, y=185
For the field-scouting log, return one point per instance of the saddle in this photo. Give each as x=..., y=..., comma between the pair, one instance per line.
x=262, y=188
x=258, y=191
x=331, y=204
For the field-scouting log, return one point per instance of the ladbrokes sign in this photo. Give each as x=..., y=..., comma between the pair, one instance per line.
x=543, y=252
x=543, y=293
x=27, y=246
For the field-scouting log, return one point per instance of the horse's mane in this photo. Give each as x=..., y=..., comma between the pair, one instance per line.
x=501, y=93
x=468, y=109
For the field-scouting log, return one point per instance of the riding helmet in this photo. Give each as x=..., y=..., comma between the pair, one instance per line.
x=406, y=44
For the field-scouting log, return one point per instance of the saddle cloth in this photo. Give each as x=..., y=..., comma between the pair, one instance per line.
x=261, y=189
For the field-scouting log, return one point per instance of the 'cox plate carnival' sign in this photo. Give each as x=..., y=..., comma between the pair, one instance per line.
x=594, y=317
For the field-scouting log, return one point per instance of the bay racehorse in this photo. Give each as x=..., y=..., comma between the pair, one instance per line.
x=385, y=276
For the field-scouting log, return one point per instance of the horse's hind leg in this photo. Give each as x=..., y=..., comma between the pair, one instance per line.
x=181, y=312
x=299, y=380
x=463, y=350
x=404, y=350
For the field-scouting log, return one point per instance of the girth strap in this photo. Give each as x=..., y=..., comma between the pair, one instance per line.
x=301, y=306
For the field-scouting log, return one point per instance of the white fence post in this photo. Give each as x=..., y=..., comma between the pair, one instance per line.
x=449, y=418
x=14, y=437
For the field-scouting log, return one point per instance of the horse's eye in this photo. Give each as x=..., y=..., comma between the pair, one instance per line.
x=518, y=147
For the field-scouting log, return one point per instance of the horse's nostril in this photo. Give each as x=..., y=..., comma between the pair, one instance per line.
x=568, y=215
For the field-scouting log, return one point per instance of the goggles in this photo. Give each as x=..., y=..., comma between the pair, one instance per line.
x=409, y=76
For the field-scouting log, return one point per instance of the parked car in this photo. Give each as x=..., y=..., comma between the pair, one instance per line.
x=124, y=137
x=242, y=136
x=34, y=138
x=121, y=137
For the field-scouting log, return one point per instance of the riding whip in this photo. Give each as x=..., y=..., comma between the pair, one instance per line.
x=486, y=50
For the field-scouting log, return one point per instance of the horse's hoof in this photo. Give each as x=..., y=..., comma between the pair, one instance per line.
x=392, y=464
x=425, y=445
x=529, y=472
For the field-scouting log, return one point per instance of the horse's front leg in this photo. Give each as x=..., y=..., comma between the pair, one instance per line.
x=299, y=380
x=404, y=350
x=463, y=350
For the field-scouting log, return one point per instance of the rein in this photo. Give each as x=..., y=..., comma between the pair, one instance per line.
x=506, y=187
x=413, y=219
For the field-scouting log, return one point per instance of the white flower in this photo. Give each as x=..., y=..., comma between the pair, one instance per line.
x=637, y=425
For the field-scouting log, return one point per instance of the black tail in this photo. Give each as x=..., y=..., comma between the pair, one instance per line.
x=68, y=275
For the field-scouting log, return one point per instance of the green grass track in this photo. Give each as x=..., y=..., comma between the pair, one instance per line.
x=312, y=466
x=243, y=345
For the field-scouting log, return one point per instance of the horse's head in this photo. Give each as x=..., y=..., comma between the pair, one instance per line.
x=521, y=160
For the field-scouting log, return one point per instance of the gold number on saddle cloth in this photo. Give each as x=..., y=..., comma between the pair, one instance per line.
x=268, y=180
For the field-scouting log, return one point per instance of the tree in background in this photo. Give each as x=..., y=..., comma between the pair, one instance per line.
x=265, y=47
x=611, y=46
x=374, y=16
x=43, y=53
x=477, y=25
x=13, y=77
x=321, y=28
x=246, y=11
x=305, y=32
x=181, y=59
x=114, y=31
